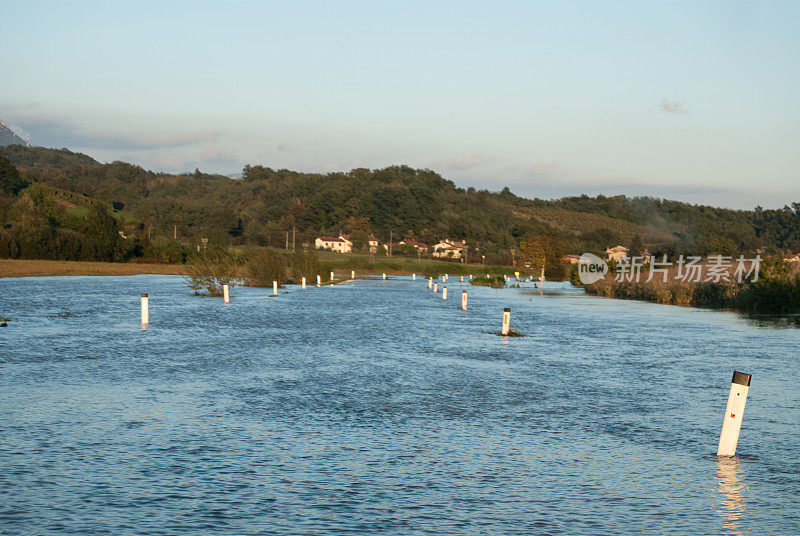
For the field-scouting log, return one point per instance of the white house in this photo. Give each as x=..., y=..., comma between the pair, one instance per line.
x=449, y=249
x=618, y=253
x=373, y=244
x=339, y=244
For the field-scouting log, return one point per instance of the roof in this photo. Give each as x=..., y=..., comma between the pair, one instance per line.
x=330, y=239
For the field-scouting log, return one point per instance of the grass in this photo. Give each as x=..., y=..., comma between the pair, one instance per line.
x=41, y=268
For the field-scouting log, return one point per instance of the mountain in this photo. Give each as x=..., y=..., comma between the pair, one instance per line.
x=7, y=136
x=398, y=201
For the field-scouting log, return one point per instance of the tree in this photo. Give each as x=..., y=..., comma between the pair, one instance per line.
x=10, y=181
x=637, y=246
x=544, y=251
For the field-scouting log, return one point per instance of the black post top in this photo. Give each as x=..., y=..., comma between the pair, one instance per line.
x=741, y=378
x=507, y=310
x=144, y=294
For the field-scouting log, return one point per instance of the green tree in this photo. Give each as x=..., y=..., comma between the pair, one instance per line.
x=10, y=181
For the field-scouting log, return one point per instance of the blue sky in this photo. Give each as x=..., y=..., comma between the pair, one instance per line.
x=695, y=101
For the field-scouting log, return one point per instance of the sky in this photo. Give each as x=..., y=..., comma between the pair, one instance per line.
x=696, y=101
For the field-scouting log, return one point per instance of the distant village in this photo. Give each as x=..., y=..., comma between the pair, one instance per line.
x=444, y=249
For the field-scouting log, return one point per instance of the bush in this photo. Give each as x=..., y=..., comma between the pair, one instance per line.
x=494, y=282
x=210, y=271
x=263, y=266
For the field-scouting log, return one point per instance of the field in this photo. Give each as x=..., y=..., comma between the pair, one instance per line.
x=39, y=268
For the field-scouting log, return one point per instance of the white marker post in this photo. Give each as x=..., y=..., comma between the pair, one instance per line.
x=145, y=309
x=444, y=293
x=462, y=278
x=226, y=297
x=506, y=320
x=274, y=288
x=384, y=275
x=352, y=274
x=464, y=300
x=734, y=411
x=413, y=276
x=304, y=282
x=445, y=279
x=435, y=288
x=319, y=280
x=331, y=276
x=430, y=283
x=470, y=277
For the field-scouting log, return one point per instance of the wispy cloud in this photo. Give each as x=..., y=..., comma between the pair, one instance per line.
x=672, y=107
x=541, y=168
x=55, y=131
x=286, y=147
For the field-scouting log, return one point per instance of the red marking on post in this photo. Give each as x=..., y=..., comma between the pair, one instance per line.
x=732, y=416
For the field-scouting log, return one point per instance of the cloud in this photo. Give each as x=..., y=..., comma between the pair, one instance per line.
x=541, y=168
x=55, y=131
x=672, y=107
x=285, y=147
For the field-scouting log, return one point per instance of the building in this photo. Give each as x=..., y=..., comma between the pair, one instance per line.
x=618, y=253
x=373, y=244
x=572, y=259
x=421, y=247
x=449, y=249
x=339, y=244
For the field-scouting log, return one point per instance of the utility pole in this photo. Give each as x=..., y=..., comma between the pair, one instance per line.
x=287, y=240
x=390, y=243
x=175, y=231
x=294, y=230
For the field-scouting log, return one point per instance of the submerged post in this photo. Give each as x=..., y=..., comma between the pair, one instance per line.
x=319, y=280
x=226, y=297
x=444, y=293
x=734, y=411
x=413, y=276
x=464, y=300
x=274, y=288
x=462, y=278
x=352, y=274
x=331, y=276
x=384, y=275
x=430, y=283
x=304, y=282
x=506, y=320
x=145, y=309
x=435, y=288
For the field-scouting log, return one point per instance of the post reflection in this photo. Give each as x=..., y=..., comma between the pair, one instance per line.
x=731, y=501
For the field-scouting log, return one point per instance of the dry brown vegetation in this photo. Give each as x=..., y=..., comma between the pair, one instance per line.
x=40, y=268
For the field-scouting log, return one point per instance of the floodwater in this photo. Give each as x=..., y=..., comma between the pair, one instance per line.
x=376, y=407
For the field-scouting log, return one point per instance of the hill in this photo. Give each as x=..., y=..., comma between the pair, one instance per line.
x=8, y=137
x=265, y=203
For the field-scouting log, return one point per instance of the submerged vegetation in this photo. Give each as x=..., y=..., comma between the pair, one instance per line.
x=494, y=282
x=777, y=291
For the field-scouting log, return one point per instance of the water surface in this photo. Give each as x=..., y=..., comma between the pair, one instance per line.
x=376, y=407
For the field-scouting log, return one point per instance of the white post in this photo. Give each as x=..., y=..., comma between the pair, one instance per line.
x=734, y=411
x=444, y=293
x=464, y=300
x=462, y=278
x=413, y=276
x=506, y=320
x=487, y=276
x=470, y=277
x=304, y=282
x=430, y=283
x=331, y=276
x=145, y=309
x=274, y=288
x=352, y=274
x=445, y=279
x=319, y=280
x=384, y=275
x=435, y=288
x=225, y=294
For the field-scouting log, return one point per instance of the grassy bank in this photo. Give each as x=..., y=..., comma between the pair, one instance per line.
x=40, y=268
x=777, y=290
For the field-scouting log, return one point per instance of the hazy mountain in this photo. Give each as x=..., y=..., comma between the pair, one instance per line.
x=7, y=136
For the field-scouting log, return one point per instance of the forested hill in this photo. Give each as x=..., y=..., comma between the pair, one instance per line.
x=410, y=203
